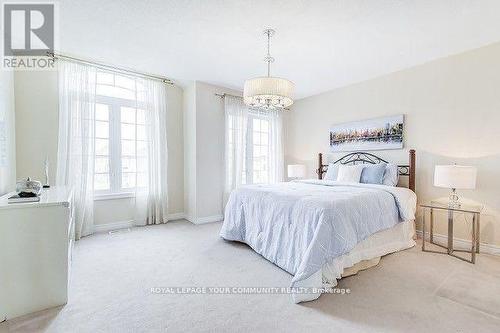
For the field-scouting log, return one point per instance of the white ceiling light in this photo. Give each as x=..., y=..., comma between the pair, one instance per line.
x=268, y=92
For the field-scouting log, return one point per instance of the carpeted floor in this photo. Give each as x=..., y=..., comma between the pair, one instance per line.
x=112, y=277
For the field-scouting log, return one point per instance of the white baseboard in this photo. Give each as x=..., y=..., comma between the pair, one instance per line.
x=176, y=216
x=130, y=223
x=461, y=244
x=203, y=220
x=113, y=226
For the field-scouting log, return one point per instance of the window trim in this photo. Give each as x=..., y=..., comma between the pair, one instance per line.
x=114, y=154
x=249, y=157
x=112, y=195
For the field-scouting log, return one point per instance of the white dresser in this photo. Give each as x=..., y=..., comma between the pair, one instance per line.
x=36, y=240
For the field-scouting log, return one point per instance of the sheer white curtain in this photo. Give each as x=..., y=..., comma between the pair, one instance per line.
x=76, y=149
x=152, y=200
x=276, y=146
x=237, y=118
x=236, y=124
x=75, y=154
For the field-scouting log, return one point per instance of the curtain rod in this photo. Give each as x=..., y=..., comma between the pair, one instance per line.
x=55, y=56
x=224, y=95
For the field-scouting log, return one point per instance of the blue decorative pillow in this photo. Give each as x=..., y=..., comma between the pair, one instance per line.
x=373, y=174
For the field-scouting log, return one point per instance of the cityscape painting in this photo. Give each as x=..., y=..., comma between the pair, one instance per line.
x=374, y=134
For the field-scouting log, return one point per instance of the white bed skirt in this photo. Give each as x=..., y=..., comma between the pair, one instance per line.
x=366, y=254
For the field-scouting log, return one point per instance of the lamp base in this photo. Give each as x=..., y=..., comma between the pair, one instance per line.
x=454, y=199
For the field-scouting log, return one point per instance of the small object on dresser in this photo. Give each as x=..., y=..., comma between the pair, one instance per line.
x=29, y=186
x=46, y=165
x=22, y=197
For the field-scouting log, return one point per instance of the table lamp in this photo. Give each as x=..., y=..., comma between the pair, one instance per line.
x=455, y=177
x=296, y=171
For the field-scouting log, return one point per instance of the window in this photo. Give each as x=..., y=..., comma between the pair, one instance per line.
x=256, y=169
x=120, y=135
x=254, y=145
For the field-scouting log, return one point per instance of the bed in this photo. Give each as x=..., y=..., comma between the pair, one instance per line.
x=320, y=230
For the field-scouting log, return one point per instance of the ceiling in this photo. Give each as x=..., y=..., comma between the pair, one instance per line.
x=320, y=45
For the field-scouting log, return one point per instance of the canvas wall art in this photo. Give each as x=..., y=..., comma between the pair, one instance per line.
x=373, y=134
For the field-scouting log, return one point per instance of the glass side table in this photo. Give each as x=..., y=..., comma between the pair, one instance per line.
x=465, y=209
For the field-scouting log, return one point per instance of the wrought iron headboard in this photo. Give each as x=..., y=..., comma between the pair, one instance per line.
x=368, y=158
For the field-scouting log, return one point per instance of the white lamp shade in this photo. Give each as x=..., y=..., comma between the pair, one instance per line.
x=455, y=176
x=268, y=92
x=296, y=171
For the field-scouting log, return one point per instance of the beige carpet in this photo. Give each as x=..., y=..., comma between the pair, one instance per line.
x=112, y=276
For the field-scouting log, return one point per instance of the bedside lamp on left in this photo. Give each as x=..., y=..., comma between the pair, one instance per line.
x=296, y=171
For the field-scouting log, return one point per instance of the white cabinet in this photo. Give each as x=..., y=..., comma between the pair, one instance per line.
x=35, y=253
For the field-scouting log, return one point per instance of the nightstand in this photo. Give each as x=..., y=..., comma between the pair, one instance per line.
x=475, y=211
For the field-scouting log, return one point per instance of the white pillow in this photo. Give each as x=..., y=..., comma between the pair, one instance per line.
x=332, y=172
x=391, y=175
x=350, y=173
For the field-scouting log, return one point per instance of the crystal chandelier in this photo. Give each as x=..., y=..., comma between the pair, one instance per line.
x=268, y=92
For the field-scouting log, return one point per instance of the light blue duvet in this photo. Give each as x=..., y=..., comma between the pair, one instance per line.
x=300, y=226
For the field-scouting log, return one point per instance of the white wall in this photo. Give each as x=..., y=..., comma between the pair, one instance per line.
x=210, y=152
x=204, y=155
x=7, y=133
x=37, y=123
x=175, y=138
x=452, y=109
x=189, y=114
x=36, y=96
x=7, y=154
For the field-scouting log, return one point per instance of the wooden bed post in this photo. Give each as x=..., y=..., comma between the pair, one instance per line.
x=319, y=171
x=411, y=182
